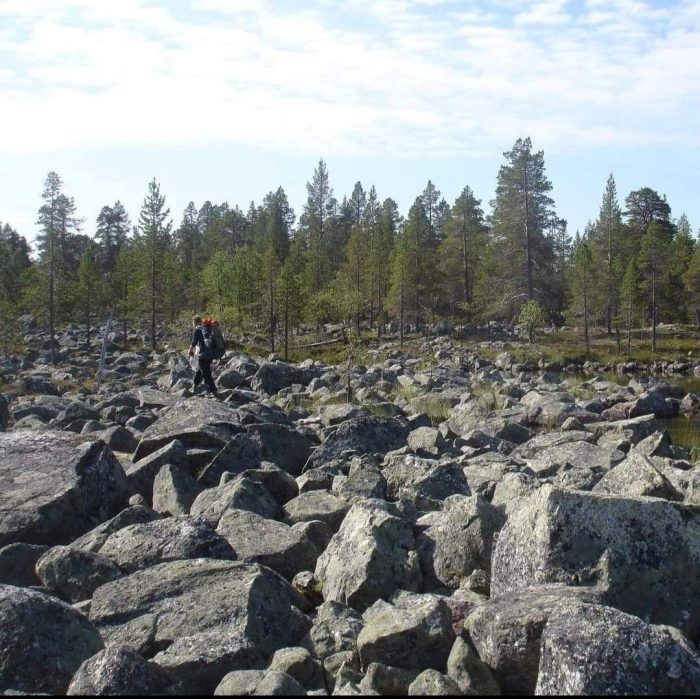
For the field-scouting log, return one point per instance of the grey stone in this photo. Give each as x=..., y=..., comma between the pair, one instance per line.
x=272, y=544
x=468, y=671
x=242, y=493
x=43, y=641
x=4, y=413
x=17, y=563
x=370, y=557
x=366, y=435
x=282, y=445
x=458, y=541
x=73, y=574
x=426, y=441
x=144, y=471
x=278, y=684
x=272, y=377
x=414, y=633
x=239, y=683
x=200, y=661
x=596, y=650
x=119, y=438
x=139, y=546
x=335, y=631
x=318, y=533
x=239, y=454
x=54, y=487
x=636, y=476
x=185, y=599
x=120, y=670
x=506, y=631
x=174, y=491
x=433, y=683
x=387, y=680
x=280, y=484
x=298, y=663
x=94, y=540
x=642, y=552
x=317, y=505
x=196, y=422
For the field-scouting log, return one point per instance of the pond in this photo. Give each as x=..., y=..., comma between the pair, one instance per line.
x=684, y=431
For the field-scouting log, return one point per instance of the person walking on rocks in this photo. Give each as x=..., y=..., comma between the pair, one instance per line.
x=204, y=358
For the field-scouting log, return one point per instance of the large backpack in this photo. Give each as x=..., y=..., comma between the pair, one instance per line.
x=214, y=339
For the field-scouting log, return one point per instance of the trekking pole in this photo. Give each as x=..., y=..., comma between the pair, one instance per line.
x=103, y=354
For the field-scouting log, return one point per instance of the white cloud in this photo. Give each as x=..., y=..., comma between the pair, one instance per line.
x=418, y=77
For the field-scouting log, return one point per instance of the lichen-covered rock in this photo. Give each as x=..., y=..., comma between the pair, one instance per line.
x=335, y=630
x=593, y=650
x=458, y=540
x=120, y=670
x=73, y=574
x=139, y=546
x=370, y=557
x=282, y=445
x=506, y=631
x=366, y=435
x=183, y=599
x=17, y=564
x=270, y=543
x=242, y=493
x=174, y=491
x=433, y=683
x=468, y=671
x=415, y=632
x=56, y=486
x=196, y=422
x=43, y=641
x=636, y=476
x=239, y=683
x=317, y=505
x=239, y=454
x=298, y=663
x=425, y=482
x=94, y=540
x=387, y=680
x=143, y=472
x=201, y=660
x=278, y=684
x=641, y=552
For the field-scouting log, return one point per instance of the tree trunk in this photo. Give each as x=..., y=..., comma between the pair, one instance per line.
x=653, y=313
x=401, y=317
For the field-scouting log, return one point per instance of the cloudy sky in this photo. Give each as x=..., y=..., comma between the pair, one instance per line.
x=229, y=99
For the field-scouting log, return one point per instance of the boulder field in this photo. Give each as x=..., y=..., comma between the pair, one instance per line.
x=461, y=526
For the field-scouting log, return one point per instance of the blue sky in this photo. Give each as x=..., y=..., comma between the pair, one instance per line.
x=229, y=99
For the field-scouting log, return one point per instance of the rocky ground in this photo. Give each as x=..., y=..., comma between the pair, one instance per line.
x=460, y=527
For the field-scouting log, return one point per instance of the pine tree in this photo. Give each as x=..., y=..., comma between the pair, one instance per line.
x=89, y=286
x=653, y=267
x=155, y=230
x=581, y=282
x=127, y=283
x=609, y=247
x=522, y=212
x=462, y=247
x=113, y=226
x=629, y=296
x=292, y=294
x=58, y=224
x=681, y=252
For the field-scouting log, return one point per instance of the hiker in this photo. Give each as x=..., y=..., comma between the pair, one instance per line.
x=205, y=357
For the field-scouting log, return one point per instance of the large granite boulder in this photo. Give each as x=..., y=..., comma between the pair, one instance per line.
x=370, y=557
x=242, y=493
x=143, y=472
x=335, y=630
x=94, y=539
x=641, y=552
x=17, y=564
x=72, y=574
x=174, y=491
x=414, y=632
x=366, y=435
x=272, y=377
x=206, y=614
x=43, y=641
x=121, y=671
x=241, y=453
x=317, y=505
x=506, y=631
x=637, y=475
x=591, y=650
x=55, y=486
x=176, y=538
x=276, y=545
x=281, y=445
x=196, y=422
x=458, y=540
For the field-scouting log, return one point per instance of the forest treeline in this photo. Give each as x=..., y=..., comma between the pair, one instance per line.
x=359, y=260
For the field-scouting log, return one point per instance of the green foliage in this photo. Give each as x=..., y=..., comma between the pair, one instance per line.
x=532, y=315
